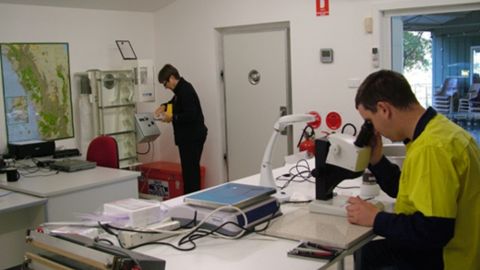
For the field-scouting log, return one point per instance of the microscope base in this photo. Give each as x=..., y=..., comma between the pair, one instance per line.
x=335, y=206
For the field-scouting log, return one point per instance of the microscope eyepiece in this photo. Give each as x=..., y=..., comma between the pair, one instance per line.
x=365, y=135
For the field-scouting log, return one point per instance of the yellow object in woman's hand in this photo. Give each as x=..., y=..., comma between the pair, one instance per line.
x=169, y=110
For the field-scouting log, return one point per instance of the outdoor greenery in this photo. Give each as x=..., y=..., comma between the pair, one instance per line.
x=416, y=51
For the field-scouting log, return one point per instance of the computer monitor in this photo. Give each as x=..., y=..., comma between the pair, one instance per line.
x=37, y=91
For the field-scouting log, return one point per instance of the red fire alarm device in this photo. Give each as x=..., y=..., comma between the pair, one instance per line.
x=322, y=8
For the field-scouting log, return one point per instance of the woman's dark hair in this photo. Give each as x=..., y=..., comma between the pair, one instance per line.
x=385, y=85
x=167, y=71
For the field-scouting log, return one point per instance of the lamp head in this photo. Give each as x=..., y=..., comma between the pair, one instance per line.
x=286, y=120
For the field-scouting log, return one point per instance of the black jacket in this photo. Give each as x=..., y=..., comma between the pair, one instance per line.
x=188, y=122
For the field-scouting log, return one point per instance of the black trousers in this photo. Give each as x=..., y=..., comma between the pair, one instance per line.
x=388, y=255
x=190, y=155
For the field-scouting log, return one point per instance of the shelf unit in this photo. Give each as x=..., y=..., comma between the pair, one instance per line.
x=114, y=110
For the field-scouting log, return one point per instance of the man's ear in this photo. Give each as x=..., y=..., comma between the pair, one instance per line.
x=385, y=109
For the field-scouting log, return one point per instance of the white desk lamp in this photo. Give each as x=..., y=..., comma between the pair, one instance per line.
x=266, y=175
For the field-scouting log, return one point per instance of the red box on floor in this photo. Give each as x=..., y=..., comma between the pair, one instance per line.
x=163, y=180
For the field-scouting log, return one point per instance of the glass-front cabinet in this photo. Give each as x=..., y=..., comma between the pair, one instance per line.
x=111, y=93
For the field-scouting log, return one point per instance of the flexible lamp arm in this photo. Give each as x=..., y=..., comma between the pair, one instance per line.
x=266, y=174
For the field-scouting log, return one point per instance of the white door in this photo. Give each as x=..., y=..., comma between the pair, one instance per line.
x=257, y=87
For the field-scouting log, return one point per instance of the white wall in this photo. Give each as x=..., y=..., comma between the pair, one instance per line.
x=185, y=36
x=91, y=35
x=183, y=33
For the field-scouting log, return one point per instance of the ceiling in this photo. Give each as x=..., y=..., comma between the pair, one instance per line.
x=122, y=5
x=459, y=21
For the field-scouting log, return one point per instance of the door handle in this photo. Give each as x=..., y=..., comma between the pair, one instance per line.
x=283, y=112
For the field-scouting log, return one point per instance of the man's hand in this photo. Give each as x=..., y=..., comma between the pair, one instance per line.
x=361, y=212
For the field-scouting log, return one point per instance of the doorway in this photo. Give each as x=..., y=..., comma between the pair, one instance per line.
x=255, y=70
x=432, y=47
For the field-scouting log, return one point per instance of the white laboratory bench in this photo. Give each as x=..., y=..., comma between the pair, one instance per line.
x=18, y=213
x=256, y=251
x=72, y=194
x=46, y=196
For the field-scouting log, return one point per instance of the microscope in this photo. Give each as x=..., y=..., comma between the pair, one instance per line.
x=338, y=157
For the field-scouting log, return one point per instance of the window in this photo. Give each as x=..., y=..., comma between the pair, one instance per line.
x=439, y=54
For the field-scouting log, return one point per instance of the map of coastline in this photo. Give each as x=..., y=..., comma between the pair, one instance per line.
x=36, y=85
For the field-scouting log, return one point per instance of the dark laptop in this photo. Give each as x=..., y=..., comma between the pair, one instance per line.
x=72, y=165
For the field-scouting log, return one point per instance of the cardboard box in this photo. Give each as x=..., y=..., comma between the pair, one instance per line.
x=134, y=212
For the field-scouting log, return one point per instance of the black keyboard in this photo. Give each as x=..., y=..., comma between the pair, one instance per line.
x=66, y=153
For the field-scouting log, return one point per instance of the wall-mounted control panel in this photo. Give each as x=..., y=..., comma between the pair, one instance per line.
x=147, y=129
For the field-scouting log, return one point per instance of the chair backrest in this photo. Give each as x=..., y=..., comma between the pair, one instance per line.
x=449, y=87
x=474, y=90
x=104, y=151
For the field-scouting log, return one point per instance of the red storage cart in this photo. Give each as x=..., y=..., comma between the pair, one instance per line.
x=163, y=180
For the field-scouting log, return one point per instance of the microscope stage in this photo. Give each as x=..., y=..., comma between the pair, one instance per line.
x=337, y=206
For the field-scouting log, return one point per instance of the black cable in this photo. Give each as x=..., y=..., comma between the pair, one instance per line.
x=130, y=230
x=349, y=125
x=106, y=228
x=30, y=171
x=148, y=150
x=200, y=233
x=297, y=202
x=307, y=166
x=195, y=234
x=109, y=227
x=192, y=221
x=304, y=134
x=267, y=221
x=304, y=175
x=165, y=244
x=125, y=254
x=98, y=240
x=28, y=168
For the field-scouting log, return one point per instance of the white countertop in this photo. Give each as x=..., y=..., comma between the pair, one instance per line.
x=48, y=184
x=11, y=201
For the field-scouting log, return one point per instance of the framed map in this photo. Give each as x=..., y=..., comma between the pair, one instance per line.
x=36, y=90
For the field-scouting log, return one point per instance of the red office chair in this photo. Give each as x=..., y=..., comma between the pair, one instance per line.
x=104, y=151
